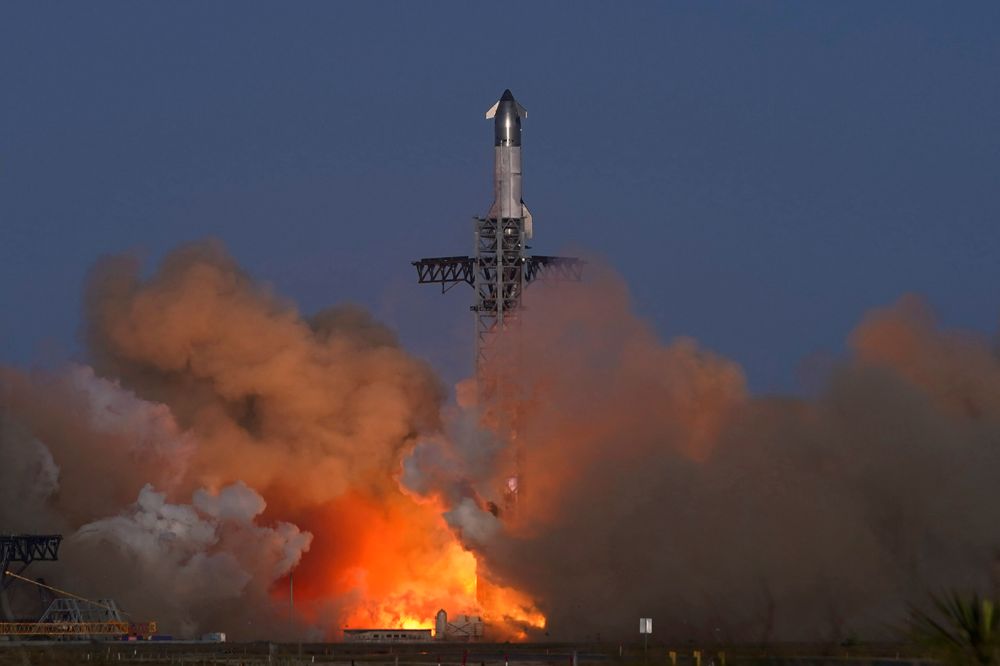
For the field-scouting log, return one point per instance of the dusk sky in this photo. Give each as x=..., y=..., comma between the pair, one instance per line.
x=762, y=174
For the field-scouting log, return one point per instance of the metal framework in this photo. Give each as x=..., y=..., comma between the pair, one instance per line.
x=450, y=271
x=446, y=271
x=517, y=270
x=561, y=269
x=78, y=618
x=499, y=283
x=498, y=278
x=498, y=273
x=25, y=549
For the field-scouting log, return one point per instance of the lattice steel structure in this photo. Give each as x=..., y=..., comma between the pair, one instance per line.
x=25, y=549
x=499, y=272
x=516, y=271
x=450, y=271
x=80, y=619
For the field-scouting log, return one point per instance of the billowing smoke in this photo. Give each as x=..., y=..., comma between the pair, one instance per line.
x=307, y=409
x=191, y=564
x=656, y=486
x=217, y=439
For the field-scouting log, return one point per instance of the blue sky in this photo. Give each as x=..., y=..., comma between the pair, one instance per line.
x=761, y=173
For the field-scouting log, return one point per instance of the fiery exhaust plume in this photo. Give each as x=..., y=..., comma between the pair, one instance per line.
x=219, y=442
x=253, y=440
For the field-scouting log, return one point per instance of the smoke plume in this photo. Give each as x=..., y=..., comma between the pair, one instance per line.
x=216, y=439
x=217, y=442
x=656, y=486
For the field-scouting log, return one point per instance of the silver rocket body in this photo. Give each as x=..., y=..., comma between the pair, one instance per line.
x=507, y=201
x=507, y=183
x=499, y=282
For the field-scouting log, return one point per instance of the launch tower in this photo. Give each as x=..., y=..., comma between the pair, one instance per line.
x=498, y=273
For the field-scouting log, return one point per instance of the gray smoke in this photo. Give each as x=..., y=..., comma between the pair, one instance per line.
x=217, y=440
x=81, y=456
x=209, y=557
x=656, y=486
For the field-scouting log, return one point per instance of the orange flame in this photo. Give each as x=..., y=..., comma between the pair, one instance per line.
x=390, y=561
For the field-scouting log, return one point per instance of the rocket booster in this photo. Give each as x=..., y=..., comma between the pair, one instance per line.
x=507, y=203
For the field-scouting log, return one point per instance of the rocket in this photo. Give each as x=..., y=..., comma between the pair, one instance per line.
x=498, y=273
x=507, y=202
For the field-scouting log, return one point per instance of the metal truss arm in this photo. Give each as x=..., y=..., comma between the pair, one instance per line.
x=29, y=547
x=560, y=269
x=446, y=271
x=26, y=548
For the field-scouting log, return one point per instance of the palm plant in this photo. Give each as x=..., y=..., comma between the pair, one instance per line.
x=961, y=631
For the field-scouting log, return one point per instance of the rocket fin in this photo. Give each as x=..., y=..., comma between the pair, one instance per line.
x=526, y=216
x=521, y=111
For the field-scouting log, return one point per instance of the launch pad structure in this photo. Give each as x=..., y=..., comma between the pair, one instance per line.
x=67, y=616
x=25, y=549
x=498, y=273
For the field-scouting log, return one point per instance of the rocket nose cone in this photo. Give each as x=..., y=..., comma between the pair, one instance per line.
x=507, y=96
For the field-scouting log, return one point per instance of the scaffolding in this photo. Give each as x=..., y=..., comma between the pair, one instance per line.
x=74, y=617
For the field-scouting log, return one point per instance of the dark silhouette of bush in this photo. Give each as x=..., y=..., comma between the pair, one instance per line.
x=960, y=631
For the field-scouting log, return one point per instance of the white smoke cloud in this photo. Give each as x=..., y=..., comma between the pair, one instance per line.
x=206, y=553
x=149, y=427
x=181, y=563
